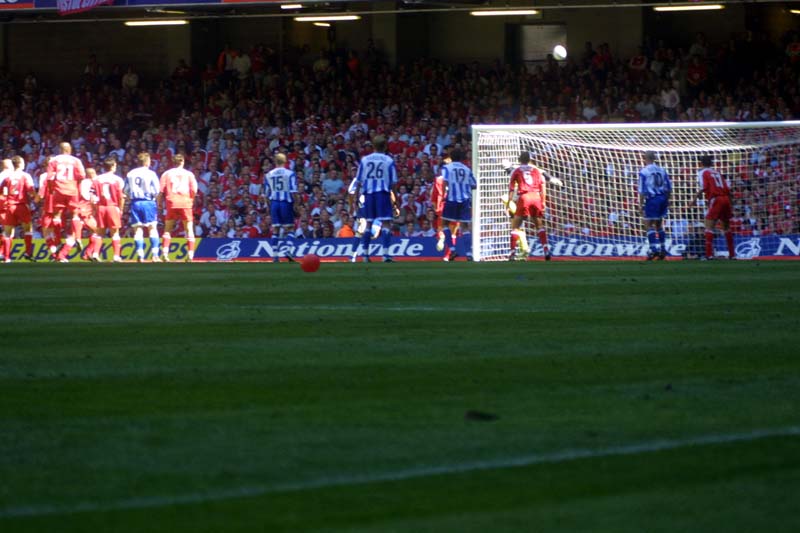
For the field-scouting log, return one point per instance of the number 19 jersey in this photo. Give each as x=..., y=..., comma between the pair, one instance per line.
x=460, y=182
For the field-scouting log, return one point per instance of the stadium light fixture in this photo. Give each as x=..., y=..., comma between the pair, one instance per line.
x=323, y=24
x=503, y=12
x=690, y=7
x=156, y=22
x=291, y=6
x=327, y=18
x=794, y=11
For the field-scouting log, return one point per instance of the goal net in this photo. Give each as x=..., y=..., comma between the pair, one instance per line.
x=595, y=213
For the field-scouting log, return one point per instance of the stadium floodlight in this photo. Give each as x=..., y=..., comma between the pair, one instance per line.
x=291, y=6
x=323, y=24
x=689, y=7
x=794, y=11
x=156, y=22
x=326, y=18
x=596, y=209
x=503, y=12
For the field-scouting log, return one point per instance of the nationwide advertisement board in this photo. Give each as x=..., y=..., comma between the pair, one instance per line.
x=424, y=249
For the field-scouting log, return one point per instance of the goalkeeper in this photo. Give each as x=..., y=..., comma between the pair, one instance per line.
x=530, y=184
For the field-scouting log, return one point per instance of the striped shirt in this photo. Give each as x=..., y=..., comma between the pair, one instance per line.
x=280, y=184
x=460, y=182
x=376, y=173
x=142, y=184
x=654, y=181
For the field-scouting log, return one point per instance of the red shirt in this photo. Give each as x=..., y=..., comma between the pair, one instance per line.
x=528, y=179
x=109, y=189
x=179, y=187
x=16, y=187
x=712, y=183
x=67, y=171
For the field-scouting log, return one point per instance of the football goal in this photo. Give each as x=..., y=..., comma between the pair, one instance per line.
x=595, y=212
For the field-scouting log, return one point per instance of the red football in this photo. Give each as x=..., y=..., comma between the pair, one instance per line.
x=310, y=263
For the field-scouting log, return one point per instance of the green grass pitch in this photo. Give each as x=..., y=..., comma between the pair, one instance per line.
x=610, y=397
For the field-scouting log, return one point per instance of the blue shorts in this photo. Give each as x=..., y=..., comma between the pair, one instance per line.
x=655, y=207
x=143, y=212
x=282, y=213
x=378, y=206
x=457, y=211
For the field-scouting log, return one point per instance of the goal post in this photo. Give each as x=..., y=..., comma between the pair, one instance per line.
x=595, y=212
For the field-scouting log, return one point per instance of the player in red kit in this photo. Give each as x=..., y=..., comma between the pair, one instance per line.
x=178, y=189
x=7, y=169
x=45, y=196
x=529, y=183
x=718, y=205
x=110, y=202
x=16, y=192
x=65, y=171
x=437, y=201
x=85, y=213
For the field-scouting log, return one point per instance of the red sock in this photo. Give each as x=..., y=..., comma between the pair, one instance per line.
x=115, y=244
x=57, y=228
x=28, y=244
x=6, y=247
x=514, y=240
x=543, y=240
x=709, y=243
x=65, y=251
x=729, y=240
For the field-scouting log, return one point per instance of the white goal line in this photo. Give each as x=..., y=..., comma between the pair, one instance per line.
x=250, y=491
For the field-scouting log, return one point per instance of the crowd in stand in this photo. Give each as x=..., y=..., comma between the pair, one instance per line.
x=233, y=115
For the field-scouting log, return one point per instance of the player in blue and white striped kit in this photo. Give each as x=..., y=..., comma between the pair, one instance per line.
x=376, y=179
x=280, y=184
x=141, y=188
x=654, y=192
x=459, y=182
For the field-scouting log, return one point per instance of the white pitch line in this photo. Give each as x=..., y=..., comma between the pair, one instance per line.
x=150, y=502
x=393, y=308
